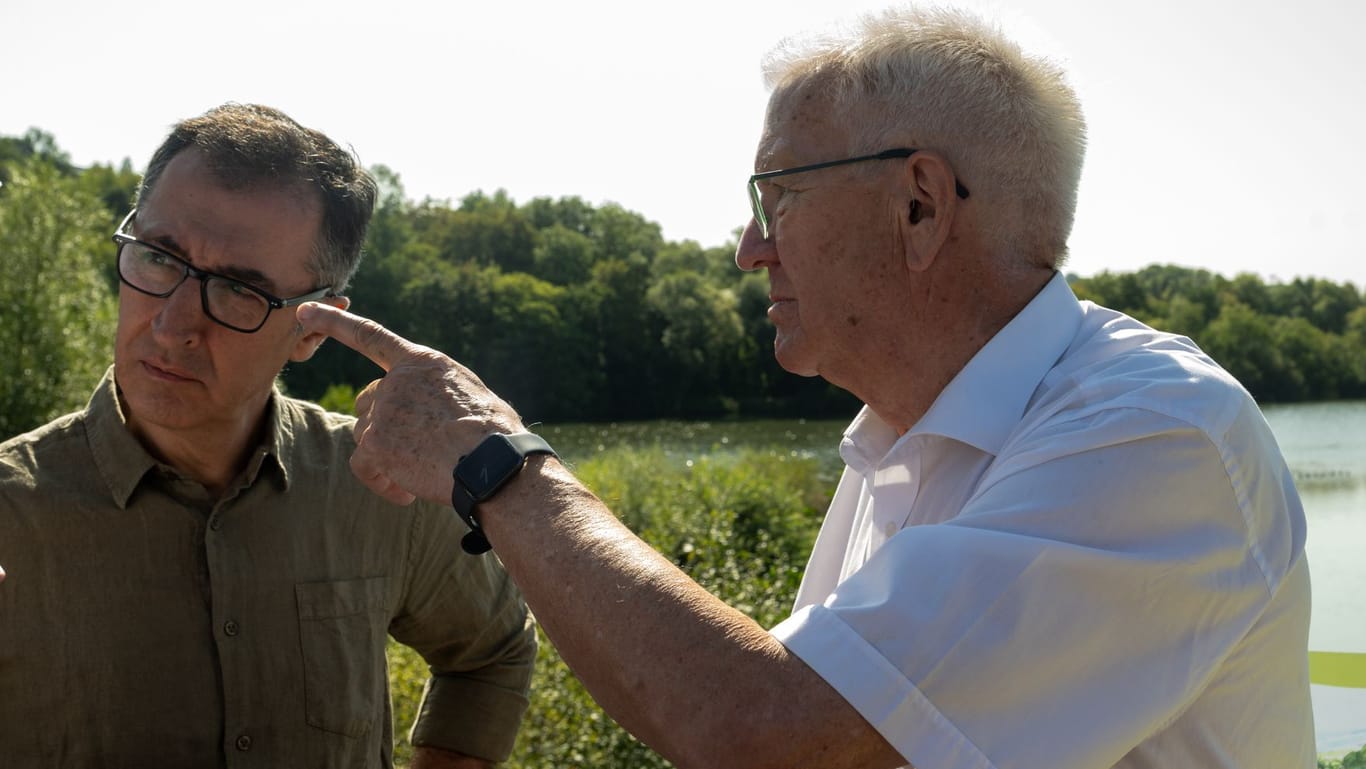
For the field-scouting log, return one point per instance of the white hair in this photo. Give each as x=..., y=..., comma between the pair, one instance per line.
x=945, y=80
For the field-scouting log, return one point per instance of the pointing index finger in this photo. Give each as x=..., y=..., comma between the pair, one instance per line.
x=363, y=335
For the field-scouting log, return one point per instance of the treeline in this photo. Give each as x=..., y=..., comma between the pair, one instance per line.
x=571, y=311
x=574, y=311
x=1296, y=341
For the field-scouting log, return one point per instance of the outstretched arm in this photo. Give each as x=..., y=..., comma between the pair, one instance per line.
x=691, y=677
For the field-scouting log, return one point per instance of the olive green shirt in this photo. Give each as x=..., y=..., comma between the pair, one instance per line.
x=146, y=624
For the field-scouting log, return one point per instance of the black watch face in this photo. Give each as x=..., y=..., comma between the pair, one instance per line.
x=489, y=466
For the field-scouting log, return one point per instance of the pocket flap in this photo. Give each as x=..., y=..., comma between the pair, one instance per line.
x=341, y=598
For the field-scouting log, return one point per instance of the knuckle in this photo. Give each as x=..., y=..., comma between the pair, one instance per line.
x=369, y=333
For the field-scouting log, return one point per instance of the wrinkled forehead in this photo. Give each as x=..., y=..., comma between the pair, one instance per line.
x=269, y=228
x=801, y=125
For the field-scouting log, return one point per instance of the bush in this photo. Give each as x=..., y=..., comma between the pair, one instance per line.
x=1354, y=760
x=57, y=309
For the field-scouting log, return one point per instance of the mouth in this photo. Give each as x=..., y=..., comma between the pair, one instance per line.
x=165, y=372
x=782, y=310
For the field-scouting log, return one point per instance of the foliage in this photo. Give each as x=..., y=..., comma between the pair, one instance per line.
x=628, y=326
x=591, y=298
x=36, y=144
x=1296, y=341
x=56, y=307
x=1354, y=760
x=580, y=312
x=340, y=399
x=575, y=311
x=741, y=524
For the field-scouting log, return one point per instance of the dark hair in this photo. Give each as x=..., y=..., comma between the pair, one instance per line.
x=246, y=145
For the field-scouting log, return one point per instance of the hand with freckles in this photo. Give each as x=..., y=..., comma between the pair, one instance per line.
x=415, y=422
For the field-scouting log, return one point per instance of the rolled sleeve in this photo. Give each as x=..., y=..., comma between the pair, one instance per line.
x=467, y=620
x=471, y=716
x=1076, y=605
x=877, y=689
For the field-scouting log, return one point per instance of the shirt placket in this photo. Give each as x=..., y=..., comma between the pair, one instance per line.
x=232, y=638
x=896, y=484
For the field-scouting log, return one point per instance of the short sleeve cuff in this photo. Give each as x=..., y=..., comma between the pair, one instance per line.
x=877, y=690
x=470, y=717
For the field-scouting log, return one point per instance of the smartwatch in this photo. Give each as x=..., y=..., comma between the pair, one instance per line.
x=481, y=473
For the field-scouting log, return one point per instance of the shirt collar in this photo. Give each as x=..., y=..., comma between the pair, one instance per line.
x=119, y=458
x=123, y=462
x=279, y=443
x=985, y=401
x=866, y=441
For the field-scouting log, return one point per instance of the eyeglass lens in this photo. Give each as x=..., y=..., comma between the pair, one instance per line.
x=756, y=204
x=158, y=273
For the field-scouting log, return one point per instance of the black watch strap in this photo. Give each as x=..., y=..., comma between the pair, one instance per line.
x=481, y=473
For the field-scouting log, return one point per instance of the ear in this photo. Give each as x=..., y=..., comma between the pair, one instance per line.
x=929, y=208
x=307, y=344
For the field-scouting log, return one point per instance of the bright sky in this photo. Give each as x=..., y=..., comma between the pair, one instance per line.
x=1224, y=134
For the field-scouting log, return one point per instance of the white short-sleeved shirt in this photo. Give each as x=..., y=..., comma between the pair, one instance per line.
x=1088, y=553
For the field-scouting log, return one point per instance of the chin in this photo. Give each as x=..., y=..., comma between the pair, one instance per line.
x=151, y=402
x=793, y=358
x=167, y=412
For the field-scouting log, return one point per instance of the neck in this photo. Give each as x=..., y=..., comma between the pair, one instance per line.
x=946, y=324
x=212, y=456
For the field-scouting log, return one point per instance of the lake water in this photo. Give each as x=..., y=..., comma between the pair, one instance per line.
x=1325, y=444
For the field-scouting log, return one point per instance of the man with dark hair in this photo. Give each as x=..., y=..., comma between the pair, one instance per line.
x=1063, y=540
x=195, y=576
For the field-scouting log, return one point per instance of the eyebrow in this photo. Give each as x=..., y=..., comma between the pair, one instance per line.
x=241, y=274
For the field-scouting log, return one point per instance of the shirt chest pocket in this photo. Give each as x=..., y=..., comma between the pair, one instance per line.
x=342, y=629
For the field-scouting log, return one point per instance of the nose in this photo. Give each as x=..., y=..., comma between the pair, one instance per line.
x=753, y=251
x=181, y=319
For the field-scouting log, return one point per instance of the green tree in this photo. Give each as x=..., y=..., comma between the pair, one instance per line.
x=703, y=340
x=1317, y=366
x=1241, y=340
x=571, y=212
x=563, y=256
x=1249, y=290
x=115, y=188
x=1330, y=303
x=35, y=144
x=489, y=230
x=622, y=234
x=1119, y=291
x=57, y=312
x=630, y=336
x=1184, y=316
x=1354, y=350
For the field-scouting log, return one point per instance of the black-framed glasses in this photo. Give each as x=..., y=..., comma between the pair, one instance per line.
x=756, y=200
x=228, y=302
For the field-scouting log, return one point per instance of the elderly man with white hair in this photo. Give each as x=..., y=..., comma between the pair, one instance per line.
x=1062, y=539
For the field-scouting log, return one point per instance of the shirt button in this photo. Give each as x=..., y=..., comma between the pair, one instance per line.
x=243, y=742
x=230, y=628
x=889, y=530
x=215, y=523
